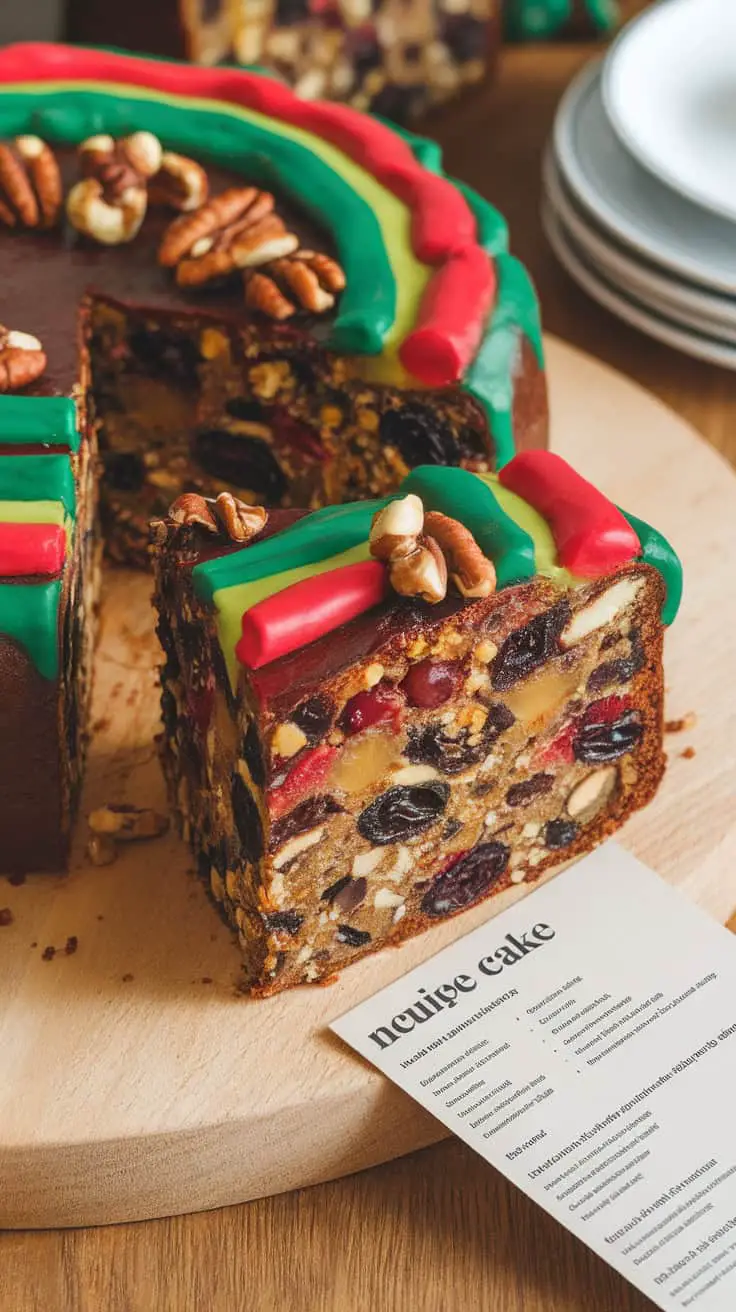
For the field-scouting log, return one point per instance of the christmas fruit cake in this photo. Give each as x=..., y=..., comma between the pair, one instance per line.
x=228, y=290
x=378, y=714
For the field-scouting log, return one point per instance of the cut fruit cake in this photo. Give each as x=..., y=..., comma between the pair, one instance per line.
x=227, y=290
x=378, y=714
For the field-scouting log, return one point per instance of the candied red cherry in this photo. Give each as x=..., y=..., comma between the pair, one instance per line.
x=306, y=776
x=430, y=683
x=381, y=705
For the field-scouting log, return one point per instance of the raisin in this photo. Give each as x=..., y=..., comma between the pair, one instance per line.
x=403, y=811
x=366, y=709
x=432, y=745
x=304, y=816
x=618, y=671
x=529, y=647
x=466, y=880
x=451, y=828
x=599, y=742
x=251, y=411
x=245, y=461
x=560, y=833
x=247, y=819
x=420, y=436
x=523, y=793
x=430, y=683
x=314, y=716
x=123, y=470
x=170, y=353
x=354, y=938
x=252, y=754
x=288, y=921
x=347, y=893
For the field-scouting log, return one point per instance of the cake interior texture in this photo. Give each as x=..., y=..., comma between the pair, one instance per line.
x=159, y=382
x=353, y=791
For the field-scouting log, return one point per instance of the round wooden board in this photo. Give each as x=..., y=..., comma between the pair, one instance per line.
x=135, y=1081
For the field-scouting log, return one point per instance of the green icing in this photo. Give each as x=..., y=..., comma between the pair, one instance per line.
x=365, y=219
x=28, y=420
x=545, y=549
x=314, y=538
x=29, y=614
x=491, y=378
x=38, y=478
x=657, y=551
x=231, y=602
x=469, y=498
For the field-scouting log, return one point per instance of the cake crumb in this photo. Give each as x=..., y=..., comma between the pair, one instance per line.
x=6, y=916
x=206, y=979
x=684, y=723
x=34, y=944
x=688, y=753
x=71, y=946
x=100, y=726
x=48, y=953
x=126, y=979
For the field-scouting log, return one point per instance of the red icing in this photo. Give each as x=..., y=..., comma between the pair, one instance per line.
x=307, y=776
x=31, y=549
x=307, y=610
x=451, y=319
x=591, y=534
x=443, y=229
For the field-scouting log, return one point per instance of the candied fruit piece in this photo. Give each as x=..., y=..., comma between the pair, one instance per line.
x=523, y=793
x=402, y=812
x=381, y=705
x=430, y=683
x=306, y=776
x=466, y=879
x=364, y=761
x=527, y=648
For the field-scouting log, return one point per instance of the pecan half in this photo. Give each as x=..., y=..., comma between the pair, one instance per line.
x=473, y=574
x=307, y=280
x=22, y=359
x=236, y=230
x=240, y=521
x=110, y=202
x=30, y=184
x=180, y=183
x=191, y=508
x=423, y=573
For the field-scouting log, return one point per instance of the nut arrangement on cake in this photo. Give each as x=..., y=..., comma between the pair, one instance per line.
x=216, y=288
x=378, y=714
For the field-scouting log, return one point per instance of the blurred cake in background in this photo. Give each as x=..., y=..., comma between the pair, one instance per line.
x=395, y=57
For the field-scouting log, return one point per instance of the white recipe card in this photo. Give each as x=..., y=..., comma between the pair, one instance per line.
x=584, y=1043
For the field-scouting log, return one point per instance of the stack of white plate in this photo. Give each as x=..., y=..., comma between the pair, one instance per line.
x=640, y=177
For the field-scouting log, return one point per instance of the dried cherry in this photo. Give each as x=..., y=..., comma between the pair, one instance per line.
x=431, y=683
x=305, y=776
x=420, y=436
x=466, y=879
x=560, y=833
x=247, y=819
x=529, y=647
x=431, y=744
x=380, y=705
x=304, y=816
x=403, y=811
x=603, y=740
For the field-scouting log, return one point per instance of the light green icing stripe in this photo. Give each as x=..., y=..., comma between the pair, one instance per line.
x=231, y=602
x=491, y=379
x=32, y=512
x=371, y=226
x=310, y=540
x=545, y=550
x=45, y=420
x=37, y=478
x=29, y=613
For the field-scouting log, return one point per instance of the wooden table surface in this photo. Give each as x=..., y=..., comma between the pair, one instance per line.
x=439, y=1231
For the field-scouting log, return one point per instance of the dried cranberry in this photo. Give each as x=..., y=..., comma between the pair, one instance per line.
x=523, y=793
x=560, y=833
x=354, y=938
x=346, y=893
x=606, y=740
x=529, y=647
x=306, y=776
x=242, y=460
x=252, y=754
x=420, y=436
x=381, y=705
x=403, y=811
x=467, y=879
x=432, y=745
x=304, y=816
x=314, y=716
x=290, y=432
x=430, y=683
x=247, y=819
x=290, y=922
